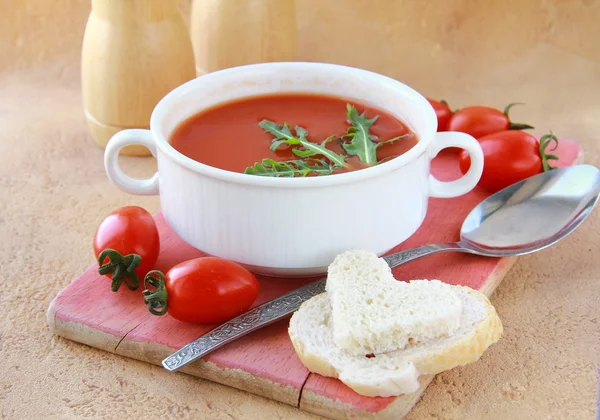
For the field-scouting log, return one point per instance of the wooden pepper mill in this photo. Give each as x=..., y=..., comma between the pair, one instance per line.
x=134, y=52
x=229, y=33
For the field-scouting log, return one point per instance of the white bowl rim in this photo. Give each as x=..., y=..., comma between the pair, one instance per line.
x=156, y=126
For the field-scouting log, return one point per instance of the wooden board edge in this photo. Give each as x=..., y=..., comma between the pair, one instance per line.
x=338, y=410
x=580, y=157
x=78, y=332
x=83, y=334
x=497, y=275
x=51, y=315
x=154, y=353
x=402, y=405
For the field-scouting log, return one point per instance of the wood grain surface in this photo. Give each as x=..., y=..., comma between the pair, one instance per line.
x=133, y=54
x=266, y=28
x=264, y=362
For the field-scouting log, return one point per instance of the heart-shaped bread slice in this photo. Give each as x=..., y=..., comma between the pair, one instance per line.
x=373, y=313
x=397, y=372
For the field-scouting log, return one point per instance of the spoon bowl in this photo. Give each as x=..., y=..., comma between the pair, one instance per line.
x=532, y=214
x=523, y=218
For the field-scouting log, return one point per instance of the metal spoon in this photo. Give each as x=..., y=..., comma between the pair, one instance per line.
x=523, y=218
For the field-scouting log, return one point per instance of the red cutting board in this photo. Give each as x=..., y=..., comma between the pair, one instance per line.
x=264, y=362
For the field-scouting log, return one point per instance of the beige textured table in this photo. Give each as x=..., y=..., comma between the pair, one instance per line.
x=53, y=192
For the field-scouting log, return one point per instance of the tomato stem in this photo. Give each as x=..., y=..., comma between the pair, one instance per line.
x=157, y=299
x=519, y=126
x=445, y=102
x=515, y=126
x=122, y=268
x=545, y=141
x=509, y=106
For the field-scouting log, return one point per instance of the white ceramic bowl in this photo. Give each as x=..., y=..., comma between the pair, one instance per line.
x=293, y=226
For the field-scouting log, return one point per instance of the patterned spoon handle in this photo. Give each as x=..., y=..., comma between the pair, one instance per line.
x=254, y=319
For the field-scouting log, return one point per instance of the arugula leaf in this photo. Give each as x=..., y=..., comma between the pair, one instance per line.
x=381, y=143
x=361, y=143
x=306, y=148
x=290, y=168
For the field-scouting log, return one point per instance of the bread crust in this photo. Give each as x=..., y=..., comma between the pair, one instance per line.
x=466, y=349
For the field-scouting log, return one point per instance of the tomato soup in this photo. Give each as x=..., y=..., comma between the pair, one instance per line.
x=228, y=136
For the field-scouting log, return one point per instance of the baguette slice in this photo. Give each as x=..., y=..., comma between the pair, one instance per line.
x=393, y=373
x=375, y=313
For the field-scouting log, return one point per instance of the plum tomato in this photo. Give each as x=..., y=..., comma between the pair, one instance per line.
x=443, y=113
x=203, y=290
x=480, y=121
x=126, y=246
x=509, y=157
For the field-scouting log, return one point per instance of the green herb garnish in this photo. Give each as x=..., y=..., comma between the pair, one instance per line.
x=283, y=135
x=316, y=157
x=290, y=168
x=362, y=143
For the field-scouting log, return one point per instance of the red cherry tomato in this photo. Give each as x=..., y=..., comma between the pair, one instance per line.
x=204, y=290
x=126, y=245
x=443, y=113
x=509, y=157
x=480, y=121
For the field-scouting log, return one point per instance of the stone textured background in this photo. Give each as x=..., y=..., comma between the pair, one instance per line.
x=53, y=192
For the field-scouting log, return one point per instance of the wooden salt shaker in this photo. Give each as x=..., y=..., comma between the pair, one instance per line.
x=229, y=33
x=134, y=52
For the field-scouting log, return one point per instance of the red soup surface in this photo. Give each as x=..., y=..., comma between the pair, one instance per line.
x=228, y=136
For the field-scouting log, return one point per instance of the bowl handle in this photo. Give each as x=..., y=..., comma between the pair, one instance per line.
x=128, y=184
x=469, y=180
